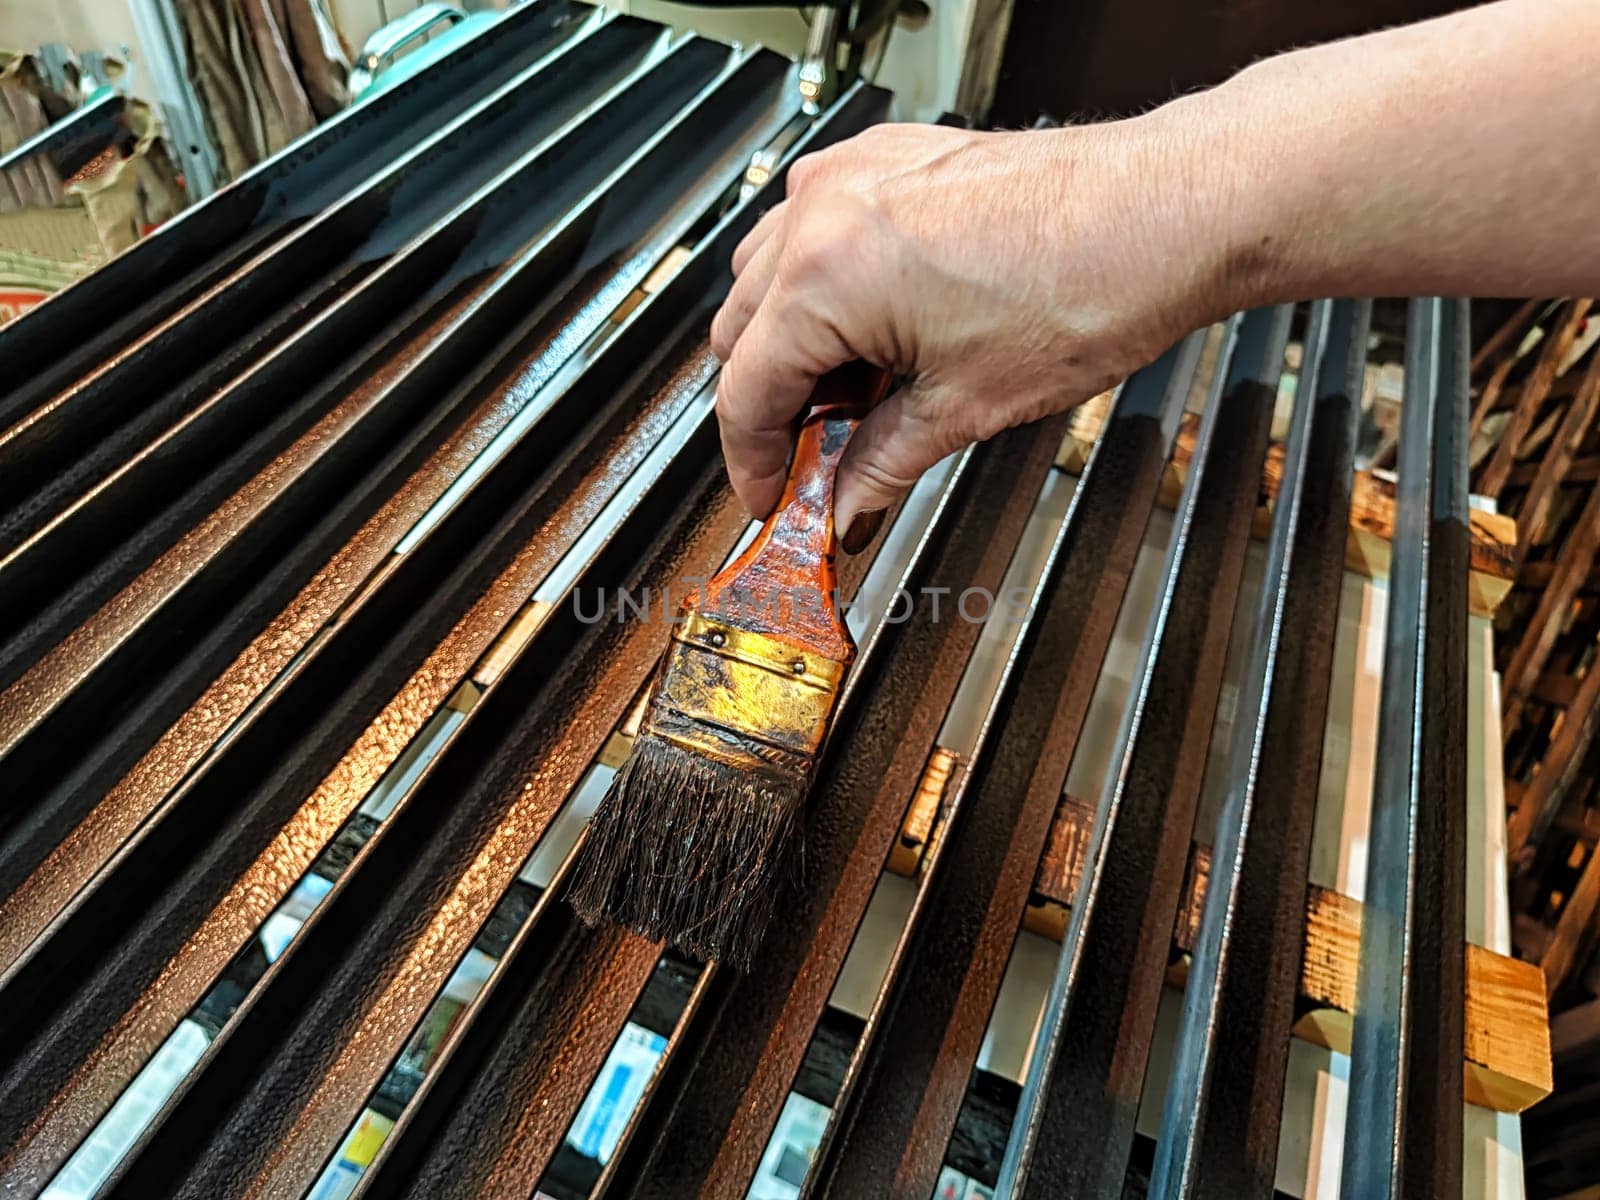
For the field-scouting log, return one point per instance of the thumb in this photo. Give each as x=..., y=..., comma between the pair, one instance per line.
x=887, y=454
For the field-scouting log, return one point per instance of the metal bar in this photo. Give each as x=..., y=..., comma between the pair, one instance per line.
x=721, y=1092
x=906, y=1080
x=1075, y=1124
x=278, y=1087
x=81, y=434
x=75, y=138
x=1219, y=1132
x=495, y=1107
x=413, y=400
x=170, y=895
x=1404, y=1136
x=62, y=338
x=79, y=438
x=327, y=697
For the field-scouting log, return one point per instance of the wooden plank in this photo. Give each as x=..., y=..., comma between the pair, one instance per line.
x=1576, y=928
x=1507, y=1048
x=1581, y=470
x=1542, y=801
x=1506, y=336
x=1540, y=633
x=1557, y=461
x=1489, y=398
x=919, y=829
x=1535, y=392
x=1371, y=510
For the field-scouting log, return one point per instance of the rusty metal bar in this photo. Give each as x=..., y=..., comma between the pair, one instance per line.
x=57, y=342
x=418, y=590
x=1075, y=1124
x=1219, y=1133
x=720, y=1093
x=905, y=1084
x=1403, y=1135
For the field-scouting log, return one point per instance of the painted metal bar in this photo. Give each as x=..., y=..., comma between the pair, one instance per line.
x=1403, y=1135
x=905, y=1083
x=378, y=425
x=85, y=323
x=1219, y=1133
x=60, y=572
x=324, y=701
x=496, y=1106
x=79, y=436
x=75, y=138
x=1075, y=1125
x=104, y=978
x=277, y=1089
x=720, y=1093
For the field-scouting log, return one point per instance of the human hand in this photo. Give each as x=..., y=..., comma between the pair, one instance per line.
x=1006, y=276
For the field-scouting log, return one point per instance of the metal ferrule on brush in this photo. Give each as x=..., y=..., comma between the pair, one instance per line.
x=743, y=698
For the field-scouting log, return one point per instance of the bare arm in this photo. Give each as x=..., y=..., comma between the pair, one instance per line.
x=1013, y=274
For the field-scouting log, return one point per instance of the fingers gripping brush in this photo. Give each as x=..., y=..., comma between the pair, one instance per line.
x=699, y=833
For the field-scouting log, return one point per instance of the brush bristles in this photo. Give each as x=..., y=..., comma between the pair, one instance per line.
x=691, y=851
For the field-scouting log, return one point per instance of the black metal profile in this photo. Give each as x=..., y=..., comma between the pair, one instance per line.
x=1403, y=1136
x=1219, y=1132
x=516, y=351
x=904, y=1087
x=86, y=324
x=1075, y=1124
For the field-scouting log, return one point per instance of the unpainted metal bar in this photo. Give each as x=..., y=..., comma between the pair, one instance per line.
x=1403, y=1136
x=1075, y=1124
x=1219, y=1132
x=905, y=1083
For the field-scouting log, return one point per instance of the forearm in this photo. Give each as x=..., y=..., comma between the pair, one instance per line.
x=1453, y=157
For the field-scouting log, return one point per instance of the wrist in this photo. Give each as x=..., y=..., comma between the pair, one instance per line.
x=1241, y=208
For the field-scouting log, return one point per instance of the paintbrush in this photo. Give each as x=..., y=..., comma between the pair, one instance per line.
x=699, y=833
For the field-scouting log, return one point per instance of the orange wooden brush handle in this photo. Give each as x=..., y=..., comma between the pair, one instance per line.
x=785, y=580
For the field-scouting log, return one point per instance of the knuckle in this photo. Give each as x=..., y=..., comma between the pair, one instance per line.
x=803, y=173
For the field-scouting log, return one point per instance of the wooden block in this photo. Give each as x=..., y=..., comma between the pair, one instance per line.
x=919, y=831
x=1507, y=1048
x=1494, y=535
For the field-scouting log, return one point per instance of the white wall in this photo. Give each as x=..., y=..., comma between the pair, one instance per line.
x=922, y=67
x=104, y=25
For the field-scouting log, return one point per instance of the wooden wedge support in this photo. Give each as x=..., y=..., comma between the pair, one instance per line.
x=1507, y=1050
x=1494, y=535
